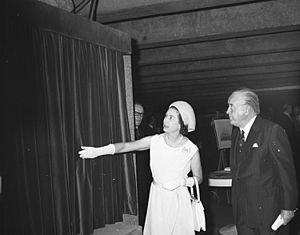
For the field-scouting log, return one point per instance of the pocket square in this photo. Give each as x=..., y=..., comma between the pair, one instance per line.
x=255, y=145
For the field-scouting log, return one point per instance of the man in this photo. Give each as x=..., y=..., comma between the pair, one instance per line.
x=286, y=121
x=138, y=118
x=144, y=176
x=263, y=174
x=297, y=117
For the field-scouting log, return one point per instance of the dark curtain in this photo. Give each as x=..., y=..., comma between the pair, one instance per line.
x=60, y=93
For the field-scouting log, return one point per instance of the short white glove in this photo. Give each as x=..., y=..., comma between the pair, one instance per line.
x=92, y=152
x=189, y=182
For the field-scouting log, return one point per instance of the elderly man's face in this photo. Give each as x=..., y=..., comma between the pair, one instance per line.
x=237, y=109
x=138, y=114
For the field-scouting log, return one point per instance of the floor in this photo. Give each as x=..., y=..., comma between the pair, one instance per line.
x=218, y=213
x=218, y=210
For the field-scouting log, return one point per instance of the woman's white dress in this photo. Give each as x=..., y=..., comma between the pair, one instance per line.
x=169, y=208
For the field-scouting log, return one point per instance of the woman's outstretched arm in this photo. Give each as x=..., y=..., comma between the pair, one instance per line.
x=93, y=152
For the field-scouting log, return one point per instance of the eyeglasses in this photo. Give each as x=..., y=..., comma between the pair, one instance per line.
x=138, y=114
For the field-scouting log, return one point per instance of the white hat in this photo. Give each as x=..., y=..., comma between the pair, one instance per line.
x=187, y=113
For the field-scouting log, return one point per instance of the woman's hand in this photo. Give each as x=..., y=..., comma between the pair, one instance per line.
x=189, y=182
x=186, y=181
x=91, y=152
x=88, y=152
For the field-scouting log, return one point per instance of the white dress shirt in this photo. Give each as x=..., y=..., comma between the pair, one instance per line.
x=247, y=128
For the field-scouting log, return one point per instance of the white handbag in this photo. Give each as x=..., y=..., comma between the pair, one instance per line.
x=198, y=209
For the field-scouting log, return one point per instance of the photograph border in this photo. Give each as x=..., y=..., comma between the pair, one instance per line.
x=223, y=130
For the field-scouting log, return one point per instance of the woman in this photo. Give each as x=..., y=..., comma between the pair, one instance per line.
x=172, y=157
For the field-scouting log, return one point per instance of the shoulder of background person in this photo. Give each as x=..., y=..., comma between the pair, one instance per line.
x=148, y=131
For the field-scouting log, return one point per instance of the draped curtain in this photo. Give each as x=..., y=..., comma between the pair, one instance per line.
x=61, y=93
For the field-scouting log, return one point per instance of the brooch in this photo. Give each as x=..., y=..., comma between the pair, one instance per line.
x=186, y=150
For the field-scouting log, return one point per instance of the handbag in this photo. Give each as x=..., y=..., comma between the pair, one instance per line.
x=198, y=209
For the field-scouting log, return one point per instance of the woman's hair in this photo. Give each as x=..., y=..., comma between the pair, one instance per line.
x=183, y=128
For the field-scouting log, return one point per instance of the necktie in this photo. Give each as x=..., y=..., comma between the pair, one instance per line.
x=242, y=139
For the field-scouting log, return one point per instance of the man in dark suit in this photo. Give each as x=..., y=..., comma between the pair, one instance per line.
x=263, y=175
x=286, y=121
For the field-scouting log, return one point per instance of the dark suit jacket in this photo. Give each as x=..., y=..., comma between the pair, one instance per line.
x=288, y=124
x=264, y=180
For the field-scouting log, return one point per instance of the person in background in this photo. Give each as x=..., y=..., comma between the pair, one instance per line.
x=297, y=118
x=152, y=124
x=172, y=157
x=286, y=121
x=138, y=118
x=263, y=174
x=295, y=226
x=144, y=176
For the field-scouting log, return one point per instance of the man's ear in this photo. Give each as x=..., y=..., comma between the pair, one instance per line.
x=247, y=110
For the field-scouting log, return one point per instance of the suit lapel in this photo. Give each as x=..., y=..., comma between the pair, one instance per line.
x=252, y=137
x=234, y=145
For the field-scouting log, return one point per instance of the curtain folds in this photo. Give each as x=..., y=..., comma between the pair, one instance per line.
x=70, y=93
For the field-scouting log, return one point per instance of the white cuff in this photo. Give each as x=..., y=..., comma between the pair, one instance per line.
x=107, y=149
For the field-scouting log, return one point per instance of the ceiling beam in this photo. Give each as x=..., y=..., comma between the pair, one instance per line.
x=222, y=73
x=189, y=91
x=113, y=14
x=220, y=63
x=287, y=76
x=219, y=93
x=268, y=43
x=212, y=22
